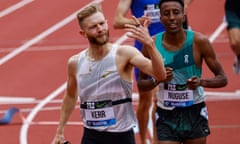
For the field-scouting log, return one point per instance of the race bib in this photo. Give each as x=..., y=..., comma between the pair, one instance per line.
x=99, y=114
x=153, y=12
x=177, y=96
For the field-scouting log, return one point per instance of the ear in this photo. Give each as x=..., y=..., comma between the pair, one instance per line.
x=82, y=32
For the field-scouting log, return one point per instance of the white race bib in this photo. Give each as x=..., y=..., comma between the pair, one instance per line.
x=153, y=12
x=100, y=117
x=177, y=96
x=99, y=113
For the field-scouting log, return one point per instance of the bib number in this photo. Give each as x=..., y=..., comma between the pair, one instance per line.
x=153, y=12
x=177, y=96
x=100, y=114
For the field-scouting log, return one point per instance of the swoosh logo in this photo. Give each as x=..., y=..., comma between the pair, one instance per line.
x=181, y=87
x=107, y=73
x=101, y=105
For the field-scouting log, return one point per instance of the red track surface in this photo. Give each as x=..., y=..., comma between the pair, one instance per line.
x=41, y=68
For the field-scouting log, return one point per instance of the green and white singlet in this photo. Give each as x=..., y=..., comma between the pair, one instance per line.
x=175, y=93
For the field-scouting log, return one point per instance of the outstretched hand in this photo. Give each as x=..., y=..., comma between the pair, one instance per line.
x=143, y=19
x=139, y=31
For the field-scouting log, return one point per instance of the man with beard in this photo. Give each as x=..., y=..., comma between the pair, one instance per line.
x=101, y=75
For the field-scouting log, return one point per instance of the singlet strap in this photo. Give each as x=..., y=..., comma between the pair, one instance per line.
x=114, y=47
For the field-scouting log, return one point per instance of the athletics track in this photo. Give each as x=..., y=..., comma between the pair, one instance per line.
x=38, y=36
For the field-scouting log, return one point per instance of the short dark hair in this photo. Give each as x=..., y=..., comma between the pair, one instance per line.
x=163, y=1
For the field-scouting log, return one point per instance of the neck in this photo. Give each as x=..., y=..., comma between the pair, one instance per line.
x=177, y=37
x=174, y=41
x=96, y=52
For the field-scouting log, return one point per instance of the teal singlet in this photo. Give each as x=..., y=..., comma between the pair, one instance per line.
x=175, y=93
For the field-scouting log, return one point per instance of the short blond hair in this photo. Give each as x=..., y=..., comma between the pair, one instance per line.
x=86, y=12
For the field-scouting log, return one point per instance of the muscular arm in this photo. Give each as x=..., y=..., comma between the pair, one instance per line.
x=69, y=100
x=145, y=83
x=209, y=56
x=129, y=57
x=153, y=67
x=120, y=18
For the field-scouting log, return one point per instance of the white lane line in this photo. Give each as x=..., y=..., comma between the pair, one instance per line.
x=48, y=48
x=225, y=126
x=211, y=96
x=38, y=38
x=49, y=123
x=79, y=123
x=14, y=7
x=22, y=100
x=35, y=110
x=49, y=108
x=223, y=94
x=15, y=100
x=218, y=31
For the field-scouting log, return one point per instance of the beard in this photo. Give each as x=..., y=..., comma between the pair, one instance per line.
x=97, y=41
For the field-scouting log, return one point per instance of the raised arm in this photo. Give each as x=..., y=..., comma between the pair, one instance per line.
x=155, y=67
x=120, y=18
